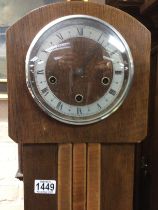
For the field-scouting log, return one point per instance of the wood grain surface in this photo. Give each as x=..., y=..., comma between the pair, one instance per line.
x=28, y=124
x=65, y=177
x=93, y=176
x=89, y=176
x=86, y=59
x=117, y=176
x=40, y=163
x=79, y=179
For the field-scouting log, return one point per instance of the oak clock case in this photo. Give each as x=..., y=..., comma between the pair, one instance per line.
x=79, y=69
x=93, y=164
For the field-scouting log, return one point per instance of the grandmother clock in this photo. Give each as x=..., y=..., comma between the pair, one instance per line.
x=78, y=84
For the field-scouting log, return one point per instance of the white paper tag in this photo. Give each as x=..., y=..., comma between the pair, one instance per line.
x=45, y=186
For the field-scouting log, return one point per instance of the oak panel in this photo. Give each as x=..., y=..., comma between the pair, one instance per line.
x=117, y=176
x=79, y=177
x=93, y=176
x=65, y=177
x=40, y=162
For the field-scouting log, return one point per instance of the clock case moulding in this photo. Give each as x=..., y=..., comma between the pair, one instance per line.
x=29, y=124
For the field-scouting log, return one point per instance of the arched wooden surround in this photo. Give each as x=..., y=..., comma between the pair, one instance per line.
x=93, y=164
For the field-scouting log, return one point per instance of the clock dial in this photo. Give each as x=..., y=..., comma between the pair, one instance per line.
x=79, y=69
x=82, y=71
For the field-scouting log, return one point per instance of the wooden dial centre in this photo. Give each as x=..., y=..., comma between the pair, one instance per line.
x=82, y=71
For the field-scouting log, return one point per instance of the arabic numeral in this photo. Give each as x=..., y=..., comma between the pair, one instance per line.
x=38, y=186
x=52, y=187
x=42, y=187
x=45, y=186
